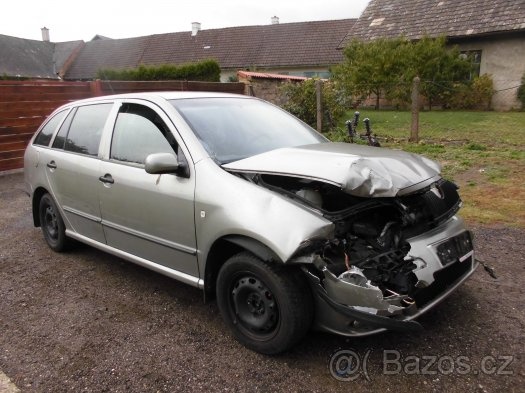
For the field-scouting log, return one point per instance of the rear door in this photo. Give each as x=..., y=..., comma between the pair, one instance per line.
x=149, y=216
x=73, y=166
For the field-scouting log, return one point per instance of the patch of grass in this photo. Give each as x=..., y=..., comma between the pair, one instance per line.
x=517, y=154
x=476, y=146
x=428, y=149
x=483, y=152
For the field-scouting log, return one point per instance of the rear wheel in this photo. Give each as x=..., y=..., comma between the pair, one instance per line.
x=268, y=307
x=52, y=224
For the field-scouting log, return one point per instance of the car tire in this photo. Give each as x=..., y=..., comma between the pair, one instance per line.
x=52, y=224
x=268, y=307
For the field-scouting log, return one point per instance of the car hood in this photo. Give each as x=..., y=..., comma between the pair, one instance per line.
x=359, y=170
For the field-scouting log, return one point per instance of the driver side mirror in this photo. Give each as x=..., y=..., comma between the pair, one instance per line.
x=161, y=163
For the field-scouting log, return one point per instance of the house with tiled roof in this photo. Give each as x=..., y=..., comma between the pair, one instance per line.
x=491, y=31
x=23, y=58
x=303, y=49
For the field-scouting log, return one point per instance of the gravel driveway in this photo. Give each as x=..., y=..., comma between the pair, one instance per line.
x=88, y=321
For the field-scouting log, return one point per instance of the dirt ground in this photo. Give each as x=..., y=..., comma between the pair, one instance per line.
x=88, y=321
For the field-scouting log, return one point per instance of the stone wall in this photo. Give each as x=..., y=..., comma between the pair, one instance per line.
x=267, y=89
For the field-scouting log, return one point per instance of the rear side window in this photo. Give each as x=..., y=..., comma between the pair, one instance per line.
x=139, y=131
x=44, y=136
x=86, y=129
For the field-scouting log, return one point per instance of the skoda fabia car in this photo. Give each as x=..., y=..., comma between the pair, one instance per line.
x=288, y=231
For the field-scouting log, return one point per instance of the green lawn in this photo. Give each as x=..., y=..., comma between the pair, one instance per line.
x=483, y=152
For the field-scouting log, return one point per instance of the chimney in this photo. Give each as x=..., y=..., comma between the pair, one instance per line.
x=45, y=34
x=195, y=28
x=275, y=20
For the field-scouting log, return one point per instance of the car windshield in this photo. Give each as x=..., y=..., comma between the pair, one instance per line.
x=231, y=129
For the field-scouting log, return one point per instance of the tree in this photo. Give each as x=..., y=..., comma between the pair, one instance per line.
x=301, y=102
x=374, y=67
x=438, y=66
x=386, y=67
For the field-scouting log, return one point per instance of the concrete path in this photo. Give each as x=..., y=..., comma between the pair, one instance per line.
x=6, y=386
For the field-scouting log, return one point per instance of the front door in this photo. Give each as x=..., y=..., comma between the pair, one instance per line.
x=149, y=216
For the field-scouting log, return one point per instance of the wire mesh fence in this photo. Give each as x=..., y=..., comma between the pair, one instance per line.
x=481, y=94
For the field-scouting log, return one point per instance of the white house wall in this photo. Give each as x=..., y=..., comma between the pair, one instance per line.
x=504, y=59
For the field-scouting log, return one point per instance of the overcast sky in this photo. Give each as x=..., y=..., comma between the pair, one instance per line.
x=70, y=20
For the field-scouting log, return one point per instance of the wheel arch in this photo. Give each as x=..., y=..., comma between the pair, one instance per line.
x=224, y=248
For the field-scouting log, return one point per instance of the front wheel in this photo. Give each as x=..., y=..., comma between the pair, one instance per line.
x=52, y=224
x=268, y=307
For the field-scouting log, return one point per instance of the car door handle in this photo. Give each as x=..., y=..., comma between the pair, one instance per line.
x=107, y=178
x=52, y=165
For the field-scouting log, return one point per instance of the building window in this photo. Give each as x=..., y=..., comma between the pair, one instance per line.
x=317, y=74
x=475, y=59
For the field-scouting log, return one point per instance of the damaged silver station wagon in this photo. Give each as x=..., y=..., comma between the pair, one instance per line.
x=237, y=197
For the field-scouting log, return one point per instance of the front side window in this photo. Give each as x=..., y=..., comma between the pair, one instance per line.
x=139, y=131
x=86, y=129
x=44, y=136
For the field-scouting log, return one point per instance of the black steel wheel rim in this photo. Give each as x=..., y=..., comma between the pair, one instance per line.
x=254, y=306
x=51, y=222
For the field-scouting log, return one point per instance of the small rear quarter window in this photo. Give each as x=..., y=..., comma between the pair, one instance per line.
x=46, y=133
x=60, y=138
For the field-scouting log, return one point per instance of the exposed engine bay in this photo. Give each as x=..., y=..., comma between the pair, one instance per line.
x=370, y=249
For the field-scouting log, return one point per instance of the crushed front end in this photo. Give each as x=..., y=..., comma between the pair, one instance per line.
x=391, y=258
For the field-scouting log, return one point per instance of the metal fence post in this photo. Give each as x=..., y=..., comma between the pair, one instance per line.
x=414, y=130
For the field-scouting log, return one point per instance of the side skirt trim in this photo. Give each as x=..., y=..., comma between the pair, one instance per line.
x=172, y=273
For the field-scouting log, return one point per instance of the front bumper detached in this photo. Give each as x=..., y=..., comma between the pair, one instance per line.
x=345, y=320
x=350, y=307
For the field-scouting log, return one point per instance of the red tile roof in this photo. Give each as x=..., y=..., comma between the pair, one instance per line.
x=265, y=75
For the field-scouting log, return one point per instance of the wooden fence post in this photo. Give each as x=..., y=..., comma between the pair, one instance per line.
x=318, y=93
x=414, y=130
x=96, y=88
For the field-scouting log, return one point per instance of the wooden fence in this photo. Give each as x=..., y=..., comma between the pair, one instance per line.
x=25, y=104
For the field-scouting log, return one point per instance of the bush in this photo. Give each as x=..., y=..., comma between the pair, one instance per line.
x=483, y=89
x=206, y=70
x=521, y=92
x=302, y=102
x=475, y=95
